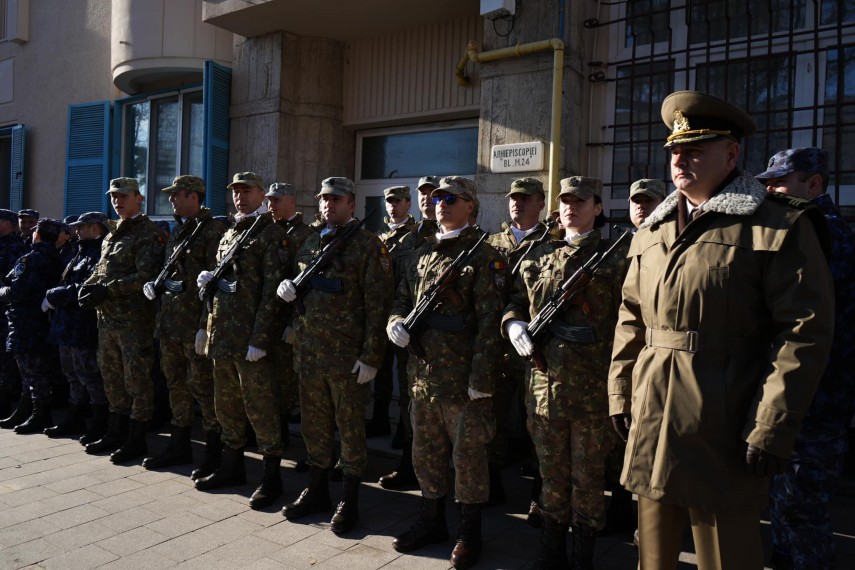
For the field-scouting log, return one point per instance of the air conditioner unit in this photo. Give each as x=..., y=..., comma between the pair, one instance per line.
x=494, y=9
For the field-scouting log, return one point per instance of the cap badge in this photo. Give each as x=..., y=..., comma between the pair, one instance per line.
x=681, y=123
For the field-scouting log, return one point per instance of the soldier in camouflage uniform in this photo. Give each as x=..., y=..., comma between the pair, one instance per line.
x=452, y=414
x=398, y=224
x=526, y=199
x=130, y=256
x=801, y=526
x=567, y=405
x=34, y=273
x=12, y=247
x=282, y=201
x=404, y=255
x=339, y=347
x=242, y=329
x=181, y=325
x=75, y=331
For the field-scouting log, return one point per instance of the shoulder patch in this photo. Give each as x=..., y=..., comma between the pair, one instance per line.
x=498, y=268
x=384, y=251
x=20, y=267
x=497, y=265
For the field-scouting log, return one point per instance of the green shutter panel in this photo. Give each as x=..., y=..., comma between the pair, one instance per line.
x=217, y=98
x=87, y=158
x=16, y=183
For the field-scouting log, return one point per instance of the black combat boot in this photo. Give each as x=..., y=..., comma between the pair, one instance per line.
x=429, y=528
x=497, y=487
x=553, y=549
x=114, y=437
x=403, y=477
x=314, y=499
x=39, y=419
x=135, y=446
x=584, y=540
x=213, y=455
x=347, y=512
x=179, y=450
x=271, y=484
x=378, y=425
x=230, y=473
x=468, y=548
x=620, y=517
x=74, y=424
x=21, y=413
x=98, y=427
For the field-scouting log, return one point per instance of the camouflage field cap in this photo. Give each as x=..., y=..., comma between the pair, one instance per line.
x=648, y=187
x=582, y=187
x=397, y=192
x=807, y=159
x=246, y=178
x=8, y=215
x=28, y=213
x=186, y=182
x=48, y=225
x=428, y=181
x=123, y=186
x=693, y=117
x=279, y=189
x=528, y=186
x=336, y=185
x=91, y=218
x=456, y=185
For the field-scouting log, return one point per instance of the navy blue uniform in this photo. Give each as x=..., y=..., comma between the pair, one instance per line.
x=799, y=498
x=12, y=247
x=75, y=330
x=32, y=276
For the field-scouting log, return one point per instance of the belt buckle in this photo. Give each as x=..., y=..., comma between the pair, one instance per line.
x=692, y=342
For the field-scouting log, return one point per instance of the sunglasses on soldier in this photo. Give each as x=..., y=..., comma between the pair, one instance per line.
x=448, y=199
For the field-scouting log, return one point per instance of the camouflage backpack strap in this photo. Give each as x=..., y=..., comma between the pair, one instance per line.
x=813, y=213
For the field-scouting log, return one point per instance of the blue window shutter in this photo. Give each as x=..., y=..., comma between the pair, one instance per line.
x=87, y=158
x=217, y=98
x=16, y=184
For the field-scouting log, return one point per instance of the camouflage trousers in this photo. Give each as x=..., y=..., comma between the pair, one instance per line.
x=460, y=430
x=35, y=375
x=798, y=508
x=395, y=360
x=10, y=378
x=508, y=397
x=80, y=366
x=572, y=454
x=243, y=391
x=126, y=359
x=285, y=381
x=188, y=377
x=328, y=401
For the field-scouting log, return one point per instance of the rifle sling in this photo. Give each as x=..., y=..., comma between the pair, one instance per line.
x=326, y=285
x=444, y=323
x=572, y=334
x=173, y=286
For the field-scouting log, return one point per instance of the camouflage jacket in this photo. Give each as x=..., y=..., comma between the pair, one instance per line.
x=33, y=274
x=249, y=316
x=69, y=324
x=466, y=354
x=346, y=308
x=415, y=237
x=131, y=255
x=182, y=314
x=506, y=244
x=392, y=240
x=575, y=384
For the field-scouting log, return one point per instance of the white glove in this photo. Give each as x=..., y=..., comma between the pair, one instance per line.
x=148, y=291
x=364, y=373
x=519, y=338
x=398, y=334
x=475, y=394
x=204, y=278
x=46, y=305
x=255, y=354
x=288, y=335
x=201, y=341
x=286, y=290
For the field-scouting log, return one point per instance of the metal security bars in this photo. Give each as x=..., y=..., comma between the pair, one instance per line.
x=790, y=63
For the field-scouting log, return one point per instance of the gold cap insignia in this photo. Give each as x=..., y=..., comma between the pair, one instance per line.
x=681, y=123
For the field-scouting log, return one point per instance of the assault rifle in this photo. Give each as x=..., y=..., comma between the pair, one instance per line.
x=162, y=281
x=329, y=254
x=550, y=223
x=566, y=293
x=436, y=293
x=207, y=292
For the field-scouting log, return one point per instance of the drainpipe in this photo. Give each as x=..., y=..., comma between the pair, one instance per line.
x=557, y=47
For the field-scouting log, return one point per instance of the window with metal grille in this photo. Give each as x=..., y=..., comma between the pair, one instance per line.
x=790, y=63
